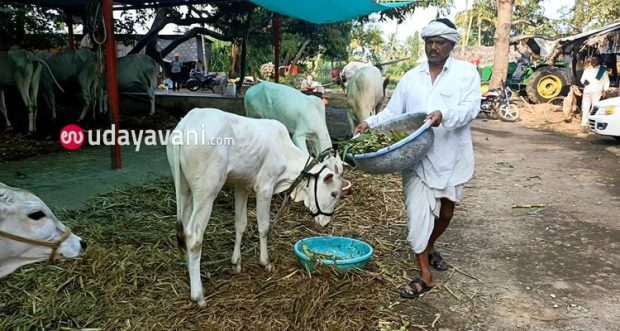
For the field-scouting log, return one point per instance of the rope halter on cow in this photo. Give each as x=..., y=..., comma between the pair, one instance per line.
x=54, y=245
x=305, y=174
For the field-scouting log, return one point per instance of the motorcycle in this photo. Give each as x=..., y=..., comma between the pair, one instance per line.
x=496, y=103
x=197, y=79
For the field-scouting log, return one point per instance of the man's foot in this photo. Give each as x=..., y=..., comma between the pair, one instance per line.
x=414, y=289
x=437, y=262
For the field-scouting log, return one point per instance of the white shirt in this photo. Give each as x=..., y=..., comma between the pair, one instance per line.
x=595, y=84
x=456, y=93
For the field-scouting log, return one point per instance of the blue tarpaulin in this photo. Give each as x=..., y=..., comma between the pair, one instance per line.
x=315, y=11
x=326, y=11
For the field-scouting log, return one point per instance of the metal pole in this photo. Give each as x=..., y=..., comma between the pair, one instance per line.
x=276, y=39
x=110, y=65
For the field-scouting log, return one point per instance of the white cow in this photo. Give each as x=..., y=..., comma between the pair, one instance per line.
x=262, y=159
x=349, y=70
x=303, y=115
x=30, y=232
x=365, y=92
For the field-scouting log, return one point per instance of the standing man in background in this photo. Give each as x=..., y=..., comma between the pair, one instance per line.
x=176, y=72
x=596, y=83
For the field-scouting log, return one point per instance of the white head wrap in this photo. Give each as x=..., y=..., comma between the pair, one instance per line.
x=439, y=29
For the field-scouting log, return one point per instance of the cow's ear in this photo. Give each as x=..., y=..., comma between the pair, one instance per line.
x=6, y=196
x=298, y=195
x=3, y=208
x=328, y=178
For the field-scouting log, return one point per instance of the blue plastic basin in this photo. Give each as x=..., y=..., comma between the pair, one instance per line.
x=343, y=253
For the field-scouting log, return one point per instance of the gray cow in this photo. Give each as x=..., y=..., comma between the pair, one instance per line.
x=136, y=72
x=72, y=66
x=21, y=68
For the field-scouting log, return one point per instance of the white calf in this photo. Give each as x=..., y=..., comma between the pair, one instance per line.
x=30, y=232
x=262, y=159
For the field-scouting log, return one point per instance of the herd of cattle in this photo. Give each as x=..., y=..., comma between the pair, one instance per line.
x=281, y=145
x=43, y=74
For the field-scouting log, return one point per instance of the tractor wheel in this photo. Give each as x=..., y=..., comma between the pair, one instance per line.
x=546, y=84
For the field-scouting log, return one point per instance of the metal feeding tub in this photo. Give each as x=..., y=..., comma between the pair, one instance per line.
x=403, y=153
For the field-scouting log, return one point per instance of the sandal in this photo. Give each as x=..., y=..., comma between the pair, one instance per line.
x=414, y=293
x=436, y=261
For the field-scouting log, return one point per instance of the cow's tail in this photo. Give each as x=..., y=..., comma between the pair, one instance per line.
x=51, y=74
x=386, y=81
x=180, y=187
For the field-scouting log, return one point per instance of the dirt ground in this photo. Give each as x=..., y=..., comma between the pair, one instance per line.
x=553, y=267
x=548, y=268
x=543, y=268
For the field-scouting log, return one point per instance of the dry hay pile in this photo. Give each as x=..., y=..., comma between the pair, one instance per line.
x=19, y=146
x=133, y=278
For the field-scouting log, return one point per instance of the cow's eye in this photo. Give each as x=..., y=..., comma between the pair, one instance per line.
x=37, y=215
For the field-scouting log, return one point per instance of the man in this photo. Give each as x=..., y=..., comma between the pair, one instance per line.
x=448, y=91
x=524, y=61
x=176, y=65
x=596, y=84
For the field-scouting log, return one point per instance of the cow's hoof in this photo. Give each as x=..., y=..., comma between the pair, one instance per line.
x=201, y=303
x=269, y=267
x=236, y=268
x=8, y=129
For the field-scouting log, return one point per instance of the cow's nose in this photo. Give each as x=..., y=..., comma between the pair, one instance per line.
x=83, y=244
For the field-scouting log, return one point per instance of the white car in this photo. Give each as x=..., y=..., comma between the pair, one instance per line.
x=605, y=118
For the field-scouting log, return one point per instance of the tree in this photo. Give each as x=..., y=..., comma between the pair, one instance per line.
x=29, y=26
x=502, y=42
x=592, y=14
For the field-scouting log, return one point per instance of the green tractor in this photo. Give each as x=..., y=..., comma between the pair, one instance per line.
x=541, y=82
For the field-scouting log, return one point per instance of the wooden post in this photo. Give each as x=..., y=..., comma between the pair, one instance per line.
x=71, y=41
x=244, y=51
x=110, y=65
x=276, y=43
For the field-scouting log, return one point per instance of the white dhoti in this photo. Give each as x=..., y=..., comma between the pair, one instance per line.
x=423, y=205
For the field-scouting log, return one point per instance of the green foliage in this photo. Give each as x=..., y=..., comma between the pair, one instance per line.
x=29, y=26
x=220, y=56
x=592, y=14
x=369, y=142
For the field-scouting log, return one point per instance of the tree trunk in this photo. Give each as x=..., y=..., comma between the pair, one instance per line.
x=287, y=59
x=159, y=23
x=299, y=53
x=165, y=17
x=191, y=34
x=244, y=51
x=235, y=60
x=502, y=38
x=471, y=19
x=479, y=31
